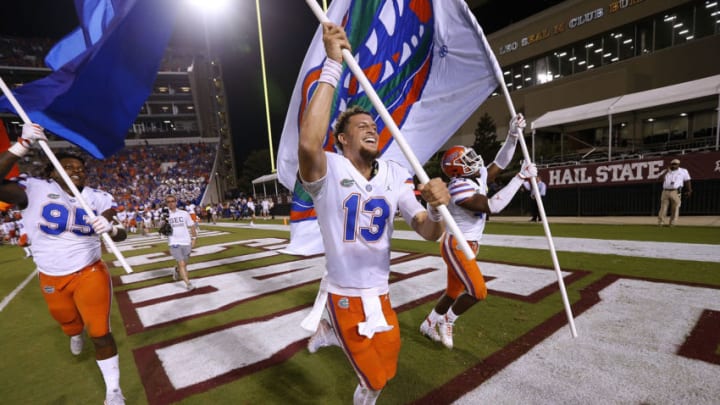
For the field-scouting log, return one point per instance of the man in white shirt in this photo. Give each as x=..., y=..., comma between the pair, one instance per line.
x=181, y=240
x=675, y=179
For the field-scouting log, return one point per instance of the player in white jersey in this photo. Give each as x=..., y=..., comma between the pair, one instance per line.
x=469, y=206
x=356, y=197
x=66, y=249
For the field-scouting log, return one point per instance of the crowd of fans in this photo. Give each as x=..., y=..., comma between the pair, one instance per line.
x=144, y=175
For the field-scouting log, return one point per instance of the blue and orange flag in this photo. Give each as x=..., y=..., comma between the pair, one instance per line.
x=428, y=61
x=103, y=73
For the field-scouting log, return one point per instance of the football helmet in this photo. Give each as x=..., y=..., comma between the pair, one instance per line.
x=461, y=161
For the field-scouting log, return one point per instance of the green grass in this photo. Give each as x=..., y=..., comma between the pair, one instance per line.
x=37, y=367
x=649, y=233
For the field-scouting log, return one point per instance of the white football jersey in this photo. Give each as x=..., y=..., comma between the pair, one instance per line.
x=470, y=223
x=180, y=221
x=356, y=219
x=59, y=228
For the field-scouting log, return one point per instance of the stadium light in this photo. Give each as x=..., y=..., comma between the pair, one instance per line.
x=210, y=5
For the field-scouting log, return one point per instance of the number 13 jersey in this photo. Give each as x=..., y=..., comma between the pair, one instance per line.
x=356, y=217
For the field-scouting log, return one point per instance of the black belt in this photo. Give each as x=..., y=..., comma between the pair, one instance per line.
x=670, y=189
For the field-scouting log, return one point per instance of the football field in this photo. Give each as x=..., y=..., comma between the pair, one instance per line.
x=646, y=304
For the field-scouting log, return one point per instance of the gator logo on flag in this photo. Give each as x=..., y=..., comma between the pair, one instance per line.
x=392, y=42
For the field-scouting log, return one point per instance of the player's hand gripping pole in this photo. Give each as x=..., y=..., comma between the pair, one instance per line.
x=538, y=200
x=56, y=163
x=395, y=131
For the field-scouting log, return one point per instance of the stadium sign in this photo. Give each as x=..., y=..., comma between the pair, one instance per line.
x=574, y=22
x=701, y=165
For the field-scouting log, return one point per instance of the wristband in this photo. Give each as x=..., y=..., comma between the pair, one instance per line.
x=433, y=214
x=331, y=72
x=18, y=149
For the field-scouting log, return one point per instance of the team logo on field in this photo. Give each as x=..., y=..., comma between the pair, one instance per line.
x=48, y=289
x=53, y=196
x=347, y=182
x=344, y=303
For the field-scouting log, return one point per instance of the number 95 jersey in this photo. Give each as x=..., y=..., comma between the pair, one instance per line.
x=59, y=229
x=356, y=219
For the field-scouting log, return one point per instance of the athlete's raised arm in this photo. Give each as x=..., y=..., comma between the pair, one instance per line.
x=315, y=120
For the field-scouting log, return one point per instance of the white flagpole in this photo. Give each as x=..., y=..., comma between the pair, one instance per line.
x=541, y=208
x=395, y=131
x=56, y=163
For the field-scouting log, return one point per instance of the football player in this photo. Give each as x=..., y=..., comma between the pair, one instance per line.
x=469, y=206
x=356, y=197
x=66, y=249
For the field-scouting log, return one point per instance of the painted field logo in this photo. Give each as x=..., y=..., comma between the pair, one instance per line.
x=392, y=42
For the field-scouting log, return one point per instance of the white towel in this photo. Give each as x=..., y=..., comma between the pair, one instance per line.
x=375, y=321
x=311, y=322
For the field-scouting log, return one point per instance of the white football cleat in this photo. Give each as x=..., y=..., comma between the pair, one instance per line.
x=446, y=332
x=429, y=329
x=115, y=398
x=175, y=274
x=323, y=337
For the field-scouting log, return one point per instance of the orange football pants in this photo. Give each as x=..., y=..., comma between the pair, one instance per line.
x=463, y=274
x=374, y=360
x=80, y=300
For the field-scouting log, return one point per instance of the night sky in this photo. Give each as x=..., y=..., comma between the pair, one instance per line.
x=288, y=26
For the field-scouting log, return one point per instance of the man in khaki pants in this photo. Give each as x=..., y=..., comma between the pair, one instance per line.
x=674, y=179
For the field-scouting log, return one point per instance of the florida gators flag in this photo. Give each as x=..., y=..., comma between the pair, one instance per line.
x=430, y=64
x=103, y=73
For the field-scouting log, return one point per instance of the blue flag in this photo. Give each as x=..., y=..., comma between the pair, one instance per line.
x=95, y=17
x=102, y=79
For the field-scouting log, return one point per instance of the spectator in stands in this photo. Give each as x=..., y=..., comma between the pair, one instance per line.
x=675, y=180
x=542, y=188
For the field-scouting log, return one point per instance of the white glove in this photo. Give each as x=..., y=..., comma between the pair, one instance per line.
x=30, y=134
x=517, y=122
x=528, y=170
x=101, y=225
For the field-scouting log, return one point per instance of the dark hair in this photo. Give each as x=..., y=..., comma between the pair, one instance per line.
x=343, y=119
x=60, y=156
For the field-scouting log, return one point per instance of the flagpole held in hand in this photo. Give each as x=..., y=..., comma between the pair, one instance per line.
x=56, y=163
x=541, y=208
x=395, y=131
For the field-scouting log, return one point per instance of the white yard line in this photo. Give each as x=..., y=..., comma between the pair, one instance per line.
x=17, y=290
x=657, y=250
